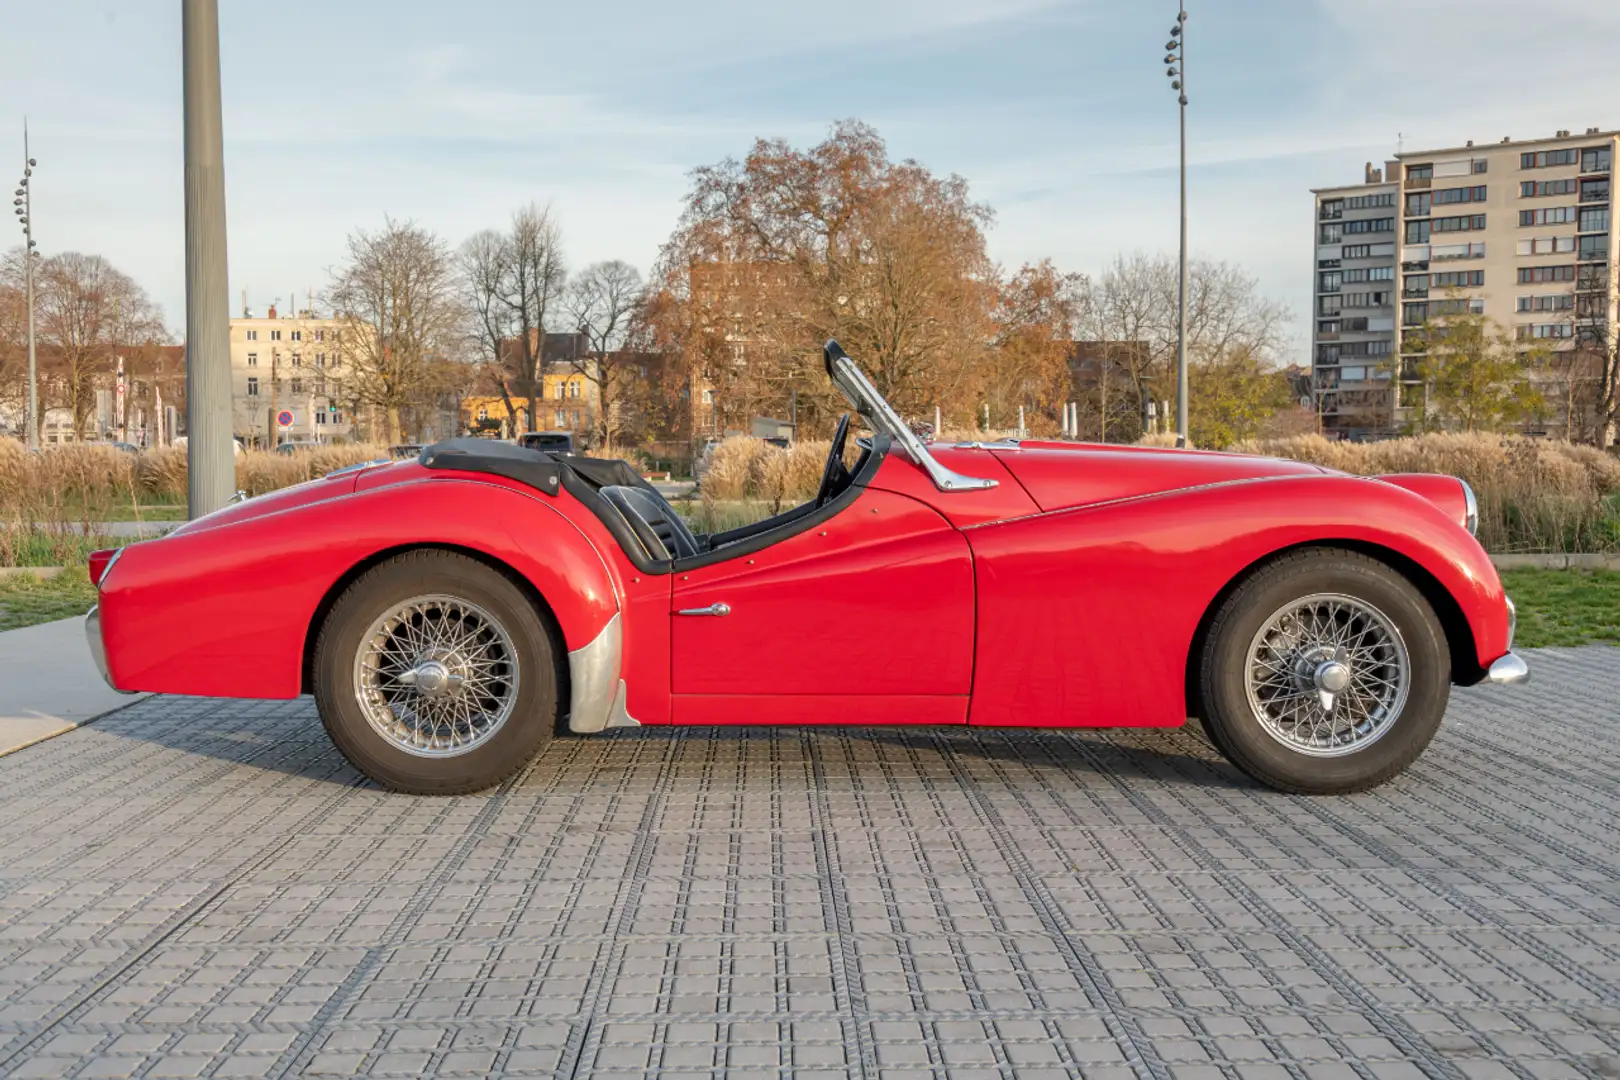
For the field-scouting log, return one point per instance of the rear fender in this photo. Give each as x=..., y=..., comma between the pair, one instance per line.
x=226, y=612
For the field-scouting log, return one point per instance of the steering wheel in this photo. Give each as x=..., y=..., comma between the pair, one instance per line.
x=835, y=470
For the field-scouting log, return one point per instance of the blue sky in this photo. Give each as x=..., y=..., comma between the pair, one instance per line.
x=1056, y=111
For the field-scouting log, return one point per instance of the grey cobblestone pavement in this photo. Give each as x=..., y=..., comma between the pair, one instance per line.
x=203, y=888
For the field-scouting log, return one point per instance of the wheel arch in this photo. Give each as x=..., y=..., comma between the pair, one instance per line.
x=543, y=608
x=1459, y=633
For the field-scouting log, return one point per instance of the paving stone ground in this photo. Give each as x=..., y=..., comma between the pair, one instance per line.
x=203, y=888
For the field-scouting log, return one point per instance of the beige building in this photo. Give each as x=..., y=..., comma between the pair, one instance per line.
x=288, y=364
x=1518, y=231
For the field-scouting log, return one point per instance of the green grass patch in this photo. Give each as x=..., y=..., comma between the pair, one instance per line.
x=28, y=601
x=1565, y=607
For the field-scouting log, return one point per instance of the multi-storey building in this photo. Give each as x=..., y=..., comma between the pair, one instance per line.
x=288, y=364
x=1516, y=231
x=1354, y=337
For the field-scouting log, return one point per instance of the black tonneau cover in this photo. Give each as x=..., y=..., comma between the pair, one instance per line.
x=542, y=470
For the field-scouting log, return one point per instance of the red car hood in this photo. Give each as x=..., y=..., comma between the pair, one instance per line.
x=1062, y=475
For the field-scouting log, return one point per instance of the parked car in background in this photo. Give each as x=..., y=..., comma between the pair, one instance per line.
x=404, y=451
x=126, y=447
x=557, y=442
x=293, y=446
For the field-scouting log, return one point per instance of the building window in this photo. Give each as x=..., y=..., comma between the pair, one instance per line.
x=1418, y=204
x=573, y=389
x=1550, y=302
x=1327, y=264
x=1367, y=225
x=1595, y=219
x=1545, y=275
x=1420, y=172
x=1547, y=245
x=1414, y=314
x=1445, y=252
x=1597, y=159
x=1332, y=210
x=253, y=359
x=1459, y=279
x=1595, y=190
x=298, y=386
x=320, y=359
x=1366, y=299
x=1544, y=331
x=1549, y=159
x=1549, y=215
x=1464, y=306
x=1330, y=281
x=1331, y=234
x=320, y=418
x=297, y=335
x=1417, y=232
x=1465, y=223
x=562, y=418
x=1370, y=202
x=320, y=335
x=1482, y=165
x=559, y=388
x=1540, y=189
x=1449, y=196
x=253, y=335
x=1325, y=305
x=1327, y=326
x=297, y=360
x=1594, y=248
x=253, y=387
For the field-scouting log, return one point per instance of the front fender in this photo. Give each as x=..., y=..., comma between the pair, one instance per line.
x=224, y=612
x=1087, y=615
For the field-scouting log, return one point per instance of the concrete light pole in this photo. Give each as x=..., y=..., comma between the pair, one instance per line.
x=210, y=455
x=24, y=204
x=1177, y=61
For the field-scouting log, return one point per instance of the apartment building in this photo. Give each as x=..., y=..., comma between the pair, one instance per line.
x=288, y=363
x=1517, y=231
x=1354, y=334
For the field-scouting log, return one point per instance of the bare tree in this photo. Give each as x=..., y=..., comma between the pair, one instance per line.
x=602, y=303
x=85, y=311
x=513, y=283
x=397, y=299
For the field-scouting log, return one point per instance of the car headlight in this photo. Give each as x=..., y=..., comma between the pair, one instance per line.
x=1471, y=509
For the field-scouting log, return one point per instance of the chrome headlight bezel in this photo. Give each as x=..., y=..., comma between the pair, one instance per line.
x=1470, y=508
x=1513, y=621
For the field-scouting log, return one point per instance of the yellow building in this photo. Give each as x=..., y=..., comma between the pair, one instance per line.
x=568, y=402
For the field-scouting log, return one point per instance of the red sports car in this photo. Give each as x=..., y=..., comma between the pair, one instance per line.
x=451, y=614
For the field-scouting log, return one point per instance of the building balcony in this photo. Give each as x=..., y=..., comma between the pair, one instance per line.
x=1418, y=183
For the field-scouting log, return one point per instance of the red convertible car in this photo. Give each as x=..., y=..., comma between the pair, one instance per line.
x=451, y=614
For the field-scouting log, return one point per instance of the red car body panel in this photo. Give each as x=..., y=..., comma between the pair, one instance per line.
x=1087, y=616
x=882, y=603
x=1060, y=478
x=225, y=610
x=1070, y=594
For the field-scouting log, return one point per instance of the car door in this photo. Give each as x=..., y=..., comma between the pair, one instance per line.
x=863, y=618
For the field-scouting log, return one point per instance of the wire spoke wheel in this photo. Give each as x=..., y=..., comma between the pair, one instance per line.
x=1327, y=675
x=436, y=676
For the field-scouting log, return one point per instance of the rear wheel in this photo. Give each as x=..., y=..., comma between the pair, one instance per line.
x=435, y=675
x=1325, y=672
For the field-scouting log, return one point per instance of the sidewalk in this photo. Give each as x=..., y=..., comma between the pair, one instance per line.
x=49, y=684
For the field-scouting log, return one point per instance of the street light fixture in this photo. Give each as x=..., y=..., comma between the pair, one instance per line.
x=1176, y=71
x=24, y=203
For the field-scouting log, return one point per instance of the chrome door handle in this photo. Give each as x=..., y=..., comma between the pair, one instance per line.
x=712, y=609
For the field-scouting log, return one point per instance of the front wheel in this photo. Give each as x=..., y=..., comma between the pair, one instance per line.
x=1326, y=672
x=435, y=675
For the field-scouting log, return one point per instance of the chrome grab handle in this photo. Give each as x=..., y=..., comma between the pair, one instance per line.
x=712, y=609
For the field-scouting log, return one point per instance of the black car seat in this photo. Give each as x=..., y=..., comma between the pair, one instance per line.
x=655, y=523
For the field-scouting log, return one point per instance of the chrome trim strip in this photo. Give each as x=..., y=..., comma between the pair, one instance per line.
x=1008, y=443
x=1513, y=621
x=593, y=674
x=98, y=648
x=1470, y=508
x=1510, y=670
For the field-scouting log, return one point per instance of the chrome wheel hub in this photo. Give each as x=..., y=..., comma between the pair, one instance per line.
x=436, y=676
x=1327, y=675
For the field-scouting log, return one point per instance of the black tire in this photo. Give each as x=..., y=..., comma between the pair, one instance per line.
x=1233, y=723
x=511, y=744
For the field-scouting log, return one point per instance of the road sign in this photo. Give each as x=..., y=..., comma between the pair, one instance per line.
x=285, y=418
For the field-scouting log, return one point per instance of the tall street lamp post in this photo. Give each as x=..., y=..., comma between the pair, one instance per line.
x=210, y=452
x=1176, y=61
x=24, y=204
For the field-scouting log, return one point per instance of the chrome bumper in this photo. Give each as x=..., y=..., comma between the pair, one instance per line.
x=1508, y=671
x=98, y=651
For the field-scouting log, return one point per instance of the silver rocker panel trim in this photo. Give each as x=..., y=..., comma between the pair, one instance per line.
x=596, y=700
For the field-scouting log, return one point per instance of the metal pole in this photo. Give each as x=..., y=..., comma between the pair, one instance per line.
x=28, y=277
x=1181, y=333
x=209, y=453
